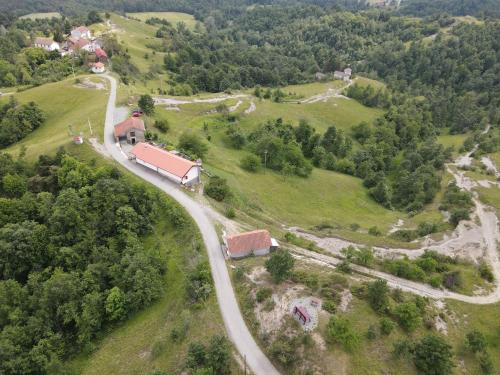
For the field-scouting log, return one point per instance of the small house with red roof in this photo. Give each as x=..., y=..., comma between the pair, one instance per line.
x=131, y=130
x=101, y=55
x=98, y=68
x=257, y=242
x=168, y=164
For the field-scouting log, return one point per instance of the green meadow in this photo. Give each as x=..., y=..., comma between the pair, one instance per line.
x=35, y=16
x=69, y=109
x=172, y=17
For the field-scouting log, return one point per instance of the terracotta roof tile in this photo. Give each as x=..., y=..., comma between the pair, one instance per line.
x=249, y=241
x=162, y=159
x=130, y=123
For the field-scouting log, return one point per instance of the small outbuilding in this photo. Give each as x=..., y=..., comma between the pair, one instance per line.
x=257, y=242
x=131, y=131
x=174, y=167
x=98, y=68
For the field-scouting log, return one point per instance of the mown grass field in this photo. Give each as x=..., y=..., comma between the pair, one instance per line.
x=65, y=105
x=172, y=17
x=35, y=16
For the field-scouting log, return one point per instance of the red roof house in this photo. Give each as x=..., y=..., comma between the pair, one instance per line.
x=257, y=242
x=174, y=167
x=131, y=130
x=101, y=55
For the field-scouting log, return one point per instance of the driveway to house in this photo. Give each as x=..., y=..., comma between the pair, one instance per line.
x=231, y=314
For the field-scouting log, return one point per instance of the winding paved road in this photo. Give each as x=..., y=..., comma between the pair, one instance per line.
x=231, y=314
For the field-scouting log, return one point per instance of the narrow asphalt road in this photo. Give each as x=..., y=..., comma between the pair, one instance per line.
x=231, y=314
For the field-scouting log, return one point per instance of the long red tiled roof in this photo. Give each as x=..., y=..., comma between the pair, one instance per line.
x=130, y=123
x=99, y=52
x=249, y=241
x=162, y=159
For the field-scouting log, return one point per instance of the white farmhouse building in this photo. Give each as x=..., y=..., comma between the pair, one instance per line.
x=257, y=242
x=174, y=167
x=81, y=32
x=47, y=44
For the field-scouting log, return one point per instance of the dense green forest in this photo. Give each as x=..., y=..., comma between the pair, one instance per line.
x=454, y=7
x=72, y=259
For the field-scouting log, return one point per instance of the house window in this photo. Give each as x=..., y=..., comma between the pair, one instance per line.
x=132, y=134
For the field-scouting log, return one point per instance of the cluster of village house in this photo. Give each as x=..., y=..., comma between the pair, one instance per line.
x=79, y=40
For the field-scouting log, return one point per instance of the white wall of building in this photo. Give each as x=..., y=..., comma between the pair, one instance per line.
x=169, y=175
x=192, y=176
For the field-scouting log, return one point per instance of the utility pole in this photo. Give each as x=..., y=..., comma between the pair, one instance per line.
x=90, y=126
x=265, y=159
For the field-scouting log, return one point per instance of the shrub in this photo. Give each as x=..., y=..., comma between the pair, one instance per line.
x=452, y=280
x=374, y=231
x=486, y=363
x=340, y=331
x=371, y=334
x=354, y=227
x=476, y=342
x=426, y=228
x=486, y=272
x=217, y=189
x=146, y=104
x=280, y=265
x=436, y=281
x=408, y=315
x=193, y=145
x=250, y=163
x=386, y=326
x=433, y=356
x=459, y=214
x=162, y=125
x=378, y=295
x=329, y=306
x=263, y=294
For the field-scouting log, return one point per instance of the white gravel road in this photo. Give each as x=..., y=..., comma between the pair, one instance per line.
x=231, y=314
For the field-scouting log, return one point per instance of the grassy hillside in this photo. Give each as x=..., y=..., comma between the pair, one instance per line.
x=325, y=197
x=35, y=16
x=172, y=17
x=65, y=105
